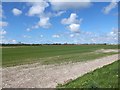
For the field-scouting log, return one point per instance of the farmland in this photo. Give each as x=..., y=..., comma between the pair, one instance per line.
x=49, y=54
x=41, y=66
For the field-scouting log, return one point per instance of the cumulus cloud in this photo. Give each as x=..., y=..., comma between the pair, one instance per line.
x=2, y=35
x=62, y=5
x=71, y=19
x=13, y=41
x=37, y=8
x=3, y=24
x=2, y=32
x=108, y=8
x=28, y=29
x=16, y=11
x=74, y=27
x=72, y=22
x=72, y=35
x=113, y=33
x=44, y=22
x=55, y=36
x=109, y=37
x=93, y=37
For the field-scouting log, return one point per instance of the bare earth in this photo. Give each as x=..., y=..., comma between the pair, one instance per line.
x=107, y=50
x=48, y=76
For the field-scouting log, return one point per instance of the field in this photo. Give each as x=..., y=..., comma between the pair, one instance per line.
x=48, y=54
x=106, y=77
x=41, y=66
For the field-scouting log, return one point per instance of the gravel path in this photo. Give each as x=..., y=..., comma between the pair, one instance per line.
x=48, y=76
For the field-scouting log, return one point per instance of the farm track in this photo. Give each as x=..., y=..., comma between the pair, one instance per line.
x=48, y=76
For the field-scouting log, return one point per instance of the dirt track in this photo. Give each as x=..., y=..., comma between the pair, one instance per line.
x=48, y=76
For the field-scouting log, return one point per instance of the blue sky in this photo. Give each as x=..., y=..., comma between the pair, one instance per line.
x=59, y=22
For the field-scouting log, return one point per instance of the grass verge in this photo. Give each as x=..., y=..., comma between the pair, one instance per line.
x=105, y=77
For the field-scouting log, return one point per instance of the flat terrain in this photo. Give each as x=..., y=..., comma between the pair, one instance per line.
x=49, y=54
x=47, y=66
x=105, y=77
x=49, y=76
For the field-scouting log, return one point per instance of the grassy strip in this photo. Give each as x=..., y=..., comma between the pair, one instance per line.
x=74, y=58
x=106, y=77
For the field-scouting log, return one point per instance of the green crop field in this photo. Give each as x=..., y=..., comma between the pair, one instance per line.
x=106, y=77
x=49, y=54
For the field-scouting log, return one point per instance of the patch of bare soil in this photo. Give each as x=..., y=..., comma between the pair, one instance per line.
x=48, y=76
x=106, y=50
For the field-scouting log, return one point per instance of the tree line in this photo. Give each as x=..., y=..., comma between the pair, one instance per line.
x=47, y=44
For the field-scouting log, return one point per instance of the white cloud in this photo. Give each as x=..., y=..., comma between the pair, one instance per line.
x=73, y=22
x=37, y=8
x=92, y=37
x=109, y=37
x=2, y=32
x=113, y=33
x=108, y=8
x=3, y=24
x=16, y=11
x=56, y=36
x=71, y=19
x=44, y=22
x=72, y=35
x=74, y=27
x=2, y=35
x=13, y=41
x=28, y=29
x=41, y=36
x=26, y=36
x=62, y=5
x=59, y=13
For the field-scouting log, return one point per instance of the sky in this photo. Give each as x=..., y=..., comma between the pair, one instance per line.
x=59, y=22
